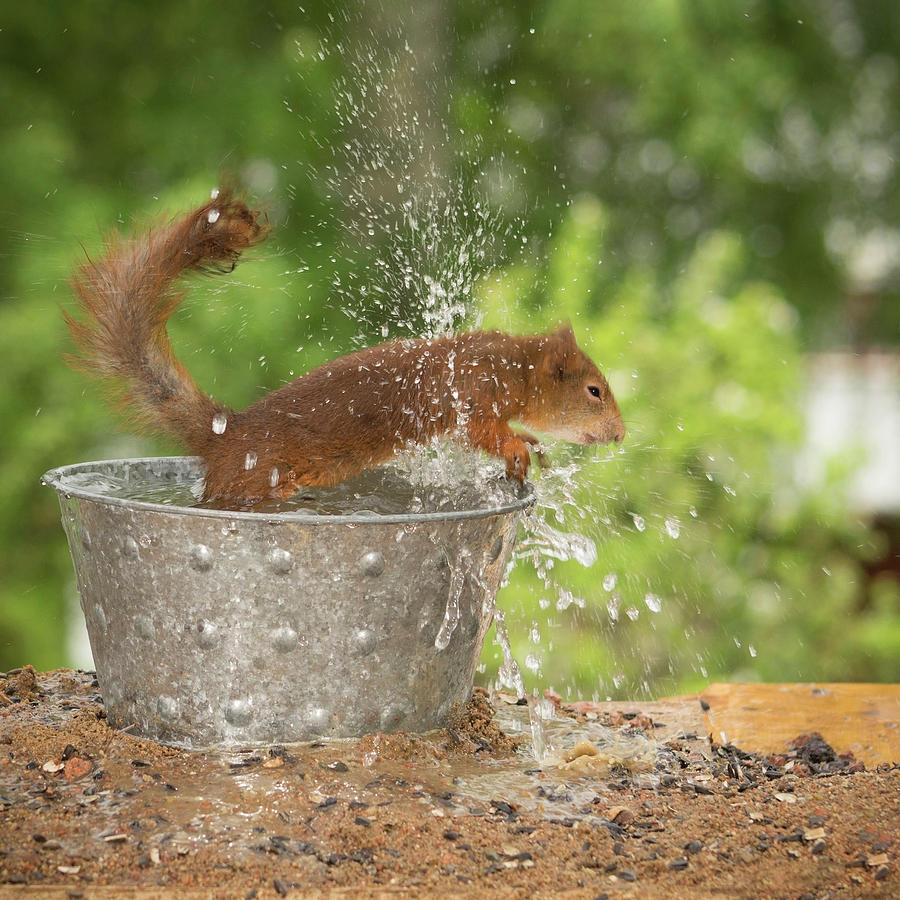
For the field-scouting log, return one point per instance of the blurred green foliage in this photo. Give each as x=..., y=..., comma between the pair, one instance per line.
x=712, y=562
x=705, y=189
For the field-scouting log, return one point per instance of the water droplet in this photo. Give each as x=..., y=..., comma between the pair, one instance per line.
x=612, y=608
x=100, y=617
x=752, y=650
x=610, y=581
x=250, y=460
x=533, y=662
x=213, y=216
x=167, y=708
x=639, y=522
x=653, y=602
x=273, y=477
x=673, y=528
x=219, y=423
x=632, y=612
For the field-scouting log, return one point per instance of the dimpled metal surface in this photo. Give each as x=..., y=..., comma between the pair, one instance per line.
x=213, y=628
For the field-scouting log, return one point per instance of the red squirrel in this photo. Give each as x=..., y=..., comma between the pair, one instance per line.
x=340, y=418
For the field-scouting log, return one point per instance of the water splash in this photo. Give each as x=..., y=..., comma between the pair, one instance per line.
x=458, y=571
x=407, y=206
x=426, y=237
x=552, y=543
x=509, y=674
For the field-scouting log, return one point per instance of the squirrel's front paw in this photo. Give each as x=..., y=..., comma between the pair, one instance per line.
x=517, y=457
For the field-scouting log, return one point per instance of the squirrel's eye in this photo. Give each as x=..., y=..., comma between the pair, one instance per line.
x=593, y=390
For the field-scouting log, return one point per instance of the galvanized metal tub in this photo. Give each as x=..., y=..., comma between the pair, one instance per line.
x=214, y=628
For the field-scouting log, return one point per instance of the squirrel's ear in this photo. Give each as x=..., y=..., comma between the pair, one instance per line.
x=560, y=346
x=567, y=336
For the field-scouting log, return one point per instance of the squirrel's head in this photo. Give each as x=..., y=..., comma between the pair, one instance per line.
x=573, y=400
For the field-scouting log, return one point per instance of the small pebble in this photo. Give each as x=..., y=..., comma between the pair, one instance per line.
x=621, y=815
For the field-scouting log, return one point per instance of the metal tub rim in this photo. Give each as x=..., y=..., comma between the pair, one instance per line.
x=55, y=478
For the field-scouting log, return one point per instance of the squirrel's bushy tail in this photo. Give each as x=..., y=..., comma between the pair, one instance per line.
x=128, y=296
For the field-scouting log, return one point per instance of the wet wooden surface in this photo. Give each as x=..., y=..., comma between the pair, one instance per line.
x=762, y=718
x=861, y=718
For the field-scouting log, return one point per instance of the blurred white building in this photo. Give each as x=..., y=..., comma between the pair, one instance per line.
x=853, y=409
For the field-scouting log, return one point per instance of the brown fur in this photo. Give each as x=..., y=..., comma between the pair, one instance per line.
x=342, y=417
